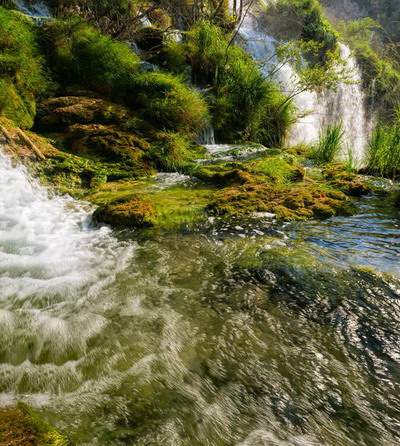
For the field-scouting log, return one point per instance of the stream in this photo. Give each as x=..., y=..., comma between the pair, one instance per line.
x=212, y=338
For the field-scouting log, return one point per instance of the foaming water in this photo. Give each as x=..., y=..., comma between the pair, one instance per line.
x=47, y=246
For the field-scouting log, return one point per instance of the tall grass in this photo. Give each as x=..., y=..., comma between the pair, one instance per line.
x=329, y=145
x=384, y=149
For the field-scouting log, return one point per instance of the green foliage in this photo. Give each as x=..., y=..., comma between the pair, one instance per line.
x=165, y=100
x=79, y=54
x=22, y=74
x=245, y=105
x=305, y=20
x=329, y=145
x=384, y=149
x=171, y=151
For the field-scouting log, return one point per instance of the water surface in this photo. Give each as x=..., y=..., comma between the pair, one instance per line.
x=290, y=338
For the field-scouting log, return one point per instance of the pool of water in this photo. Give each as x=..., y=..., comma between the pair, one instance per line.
x=280, y=337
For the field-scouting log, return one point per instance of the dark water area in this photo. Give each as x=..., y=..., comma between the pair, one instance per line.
x=283, y=337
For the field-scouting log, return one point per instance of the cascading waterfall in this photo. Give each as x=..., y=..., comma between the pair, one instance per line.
x=346, y=104
x=37, y=9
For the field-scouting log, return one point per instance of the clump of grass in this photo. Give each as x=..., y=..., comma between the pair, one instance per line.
x=384, y=149
x=245, y=105
x=329, y=145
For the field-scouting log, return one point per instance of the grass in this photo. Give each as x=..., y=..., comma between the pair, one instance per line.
x=329, y=145
x=384, y=149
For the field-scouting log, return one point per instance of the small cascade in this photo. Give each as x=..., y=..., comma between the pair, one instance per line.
x=37, y=9
x=47, y=247
x=346, y=104
x=207, y=136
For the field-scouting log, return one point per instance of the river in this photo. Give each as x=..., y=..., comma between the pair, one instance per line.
x=207, y=338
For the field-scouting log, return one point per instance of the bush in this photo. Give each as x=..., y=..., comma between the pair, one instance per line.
x=245, y=105
x=171, y=151
x=23, y=77
x=329, y=145
x=305, y=20
x=81, y=55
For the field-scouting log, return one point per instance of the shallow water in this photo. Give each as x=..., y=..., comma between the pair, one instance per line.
x=279, y=339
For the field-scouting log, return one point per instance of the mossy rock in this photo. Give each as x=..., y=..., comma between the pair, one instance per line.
x=57, y=114
x=348, y=182
x=21, y=426
x=294, y=202
x=133, y=213
x=109, y=144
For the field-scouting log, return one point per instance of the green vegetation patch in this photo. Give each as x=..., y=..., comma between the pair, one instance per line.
x=245, y=106
x=23, y=77
x=81, y=55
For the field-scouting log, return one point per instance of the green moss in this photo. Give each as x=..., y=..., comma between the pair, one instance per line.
x=133, y=213
x=172, y=151
x=57, y=114
x=172, y=208
x=23, y=77
x=295, y=202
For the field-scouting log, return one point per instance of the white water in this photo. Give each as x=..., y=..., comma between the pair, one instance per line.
x=47, y=247
x=346, y=104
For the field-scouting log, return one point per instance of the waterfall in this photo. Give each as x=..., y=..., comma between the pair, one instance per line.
x=346, y=104
x=37, y=9
x=207, y=136
x=47, y=246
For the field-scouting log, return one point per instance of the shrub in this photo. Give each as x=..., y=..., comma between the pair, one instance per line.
x=23, y=77
x=81, y=55
x=166, y=101
x=329, y=145
x=171, y=151
x=245, y=105
x=305, y=20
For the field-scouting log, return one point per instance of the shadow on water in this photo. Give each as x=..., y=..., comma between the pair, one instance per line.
x=282, y=339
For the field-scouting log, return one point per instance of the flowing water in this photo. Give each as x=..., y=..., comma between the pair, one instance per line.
x=290, y=338
x=345, y=104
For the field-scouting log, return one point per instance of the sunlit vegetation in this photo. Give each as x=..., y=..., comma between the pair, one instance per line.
x=23, y=77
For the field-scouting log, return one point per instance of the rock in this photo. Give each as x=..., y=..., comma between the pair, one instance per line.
x=57, y=114
x=134, y=213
